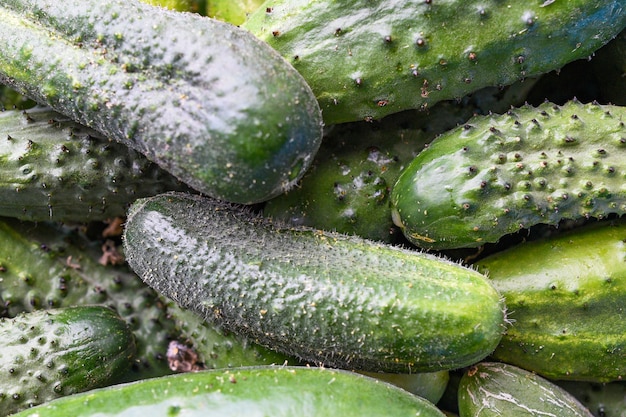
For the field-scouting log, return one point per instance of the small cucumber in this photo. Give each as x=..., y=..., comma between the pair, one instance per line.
x=498, y=174
x=492, y=389
x=327, y=298
x=262, y=391
x=49, y=354
x=565, y=294
x=366, y=59
x=205, y=100
x=55, y=169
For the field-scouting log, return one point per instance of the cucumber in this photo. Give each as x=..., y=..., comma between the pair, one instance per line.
x=49, y=354
x=232, y=11
x=203, y=99
x=55, y=169
x=366, y=59
x=496, y=389
x=11, y=99
x=47, y=266
x=263, y=391
x=498, y=174
x=428, y=385
x=326, y=298
x=565, y=294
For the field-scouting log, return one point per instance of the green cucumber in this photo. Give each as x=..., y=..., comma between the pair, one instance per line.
x=264, y=391
x=603, y=400
x=327, y=298
x=565, y=295
x=205, y=100
x=492, y=389
x=232, y=11
x=46, y=266
x=366, y=59
x=55, y=169
x=50, y=354
x=498, y=174
x=428, y=385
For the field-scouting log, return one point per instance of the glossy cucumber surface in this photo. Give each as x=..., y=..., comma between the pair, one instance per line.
x=205, y=100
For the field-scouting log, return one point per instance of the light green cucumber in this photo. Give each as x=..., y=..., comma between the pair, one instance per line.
x=50, y=354
x=205, y=100
x=233, y=11
x=492, y=389
x=565, y=295
x=366, y=59
x=261, y=391
x=55, y=169
x=327, y=298
x=45, y=266
x=498, y=174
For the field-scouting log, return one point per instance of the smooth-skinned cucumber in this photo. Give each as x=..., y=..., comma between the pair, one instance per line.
x=565, y=296
x=498, y=174
x=327, y=298
x=492, y=389
x=257, y=391
x=366, y=59
x=205, y=100
x=56, y=169
x=50, y=354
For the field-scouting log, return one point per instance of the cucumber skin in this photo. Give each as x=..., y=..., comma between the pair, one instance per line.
x=492, y=389
x=565, y=295
x=498, y=174
x=275, y=391
x=205, y=100
x=50, y=354
x=36, y=273
x=324, y=297
x=55, y=169
x=367, y=59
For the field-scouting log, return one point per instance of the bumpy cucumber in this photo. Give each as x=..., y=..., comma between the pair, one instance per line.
x=49, y=354
x=267, y=391
x=46, y=266
x=492, y=389
x=498, y=174
x=203, y=99
x=54, y=168
x=324, y=297
x=565, y=295
x=366, y=59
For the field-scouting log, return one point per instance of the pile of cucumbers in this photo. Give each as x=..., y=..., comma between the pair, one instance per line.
x=312, y=208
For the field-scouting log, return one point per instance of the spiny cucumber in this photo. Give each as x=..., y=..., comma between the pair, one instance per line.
x=205, y=100
x=492, y=389
x=565, y=294
x=55, y=169
x=498, y=174
x=325, y=297
x=366, y=59
x=50, y=354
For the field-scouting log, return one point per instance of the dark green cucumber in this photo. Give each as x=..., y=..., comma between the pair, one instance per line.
x=492, y=389
x=263, y=391
x=45, y=266
x=498, y=174
x=327, y=298
x=566, y=296
x=366, y=59
x=603, y=400
x=55, y=169
x=50, y=354
x=205, y=100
